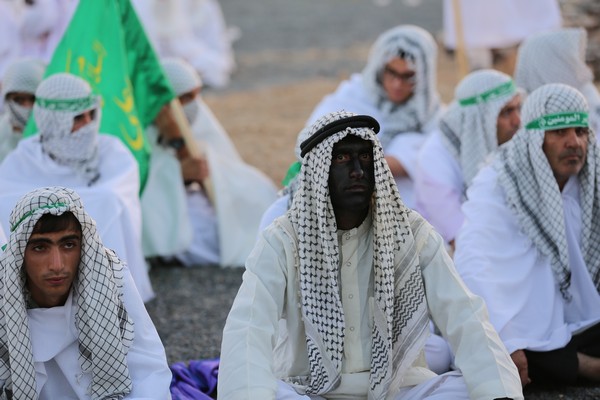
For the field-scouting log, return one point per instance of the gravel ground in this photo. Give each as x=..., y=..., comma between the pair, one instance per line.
x=289, y=55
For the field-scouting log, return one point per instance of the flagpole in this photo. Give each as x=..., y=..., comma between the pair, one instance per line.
x=460, y=50
x=191, y=144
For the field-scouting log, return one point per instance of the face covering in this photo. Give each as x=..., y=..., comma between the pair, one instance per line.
x=191, y=110
x=18, y=115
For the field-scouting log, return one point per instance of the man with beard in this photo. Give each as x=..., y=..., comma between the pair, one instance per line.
x=529, y=245
x=354, y=275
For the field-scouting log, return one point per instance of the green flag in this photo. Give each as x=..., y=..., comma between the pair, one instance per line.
x=106, y=45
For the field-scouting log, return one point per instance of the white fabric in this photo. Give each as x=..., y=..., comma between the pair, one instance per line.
x=269, y=292
x=499, y=23
x=194, y=30
x=241, y=192
x=9, y=37
x=166, y=223
x=8, y=137
x=55, y=352
x=42, y=25
x=439, y=187
x=112, y=201
x=437, y=352
x=559, y=57
x=500, y=263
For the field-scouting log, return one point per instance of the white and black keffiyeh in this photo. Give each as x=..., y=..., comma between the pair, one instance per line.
x=400, y=314
x=59, y=98
x=418, y=47
x=469, y=126
x=533, y=193
x=23, y=76
x=104, y=327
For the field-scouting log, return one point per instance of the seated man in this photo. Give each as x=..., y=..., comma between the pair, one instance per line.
x=72, y=322
x=217, y=220
x=529, y=245
x=558, y=56
x=354, y=275
x=398, y=88
x=19, y=83
x=484, y=114
x=69, y=151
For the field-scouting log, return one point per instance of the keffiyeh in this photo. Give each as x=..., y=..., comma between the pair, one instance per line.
x=469, y=126
x=184, y=78
x=59, y=99
x=24, y=76
x=533, y=193
x=400, y=312
x=104, y=327
x=415, y=44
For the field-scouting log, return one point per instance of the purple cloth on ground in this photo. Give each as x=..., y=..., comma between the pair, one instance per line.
x=195, y=381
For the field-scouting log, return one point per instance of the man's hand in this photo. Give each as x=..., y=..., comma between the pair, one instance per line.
x=194, y=169
x=520, y=361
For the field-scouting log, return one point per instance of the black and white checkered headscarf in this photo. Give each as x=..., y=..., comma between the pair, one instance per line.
x=469, y=126
x=533, y=193
x=105, y=329
x=415, y=45
x=58, y=99
x=400, y=315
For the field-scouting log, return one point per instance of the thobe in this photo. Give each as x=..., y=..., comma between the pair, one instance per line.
x=439, y=187
x=55, y=346
x=252, y=361
x=500, y=263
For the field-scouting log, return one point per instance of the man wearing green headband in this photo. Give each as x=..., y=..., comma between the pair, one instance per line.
x=69, y=151
x=529, y=245
x=484, y=114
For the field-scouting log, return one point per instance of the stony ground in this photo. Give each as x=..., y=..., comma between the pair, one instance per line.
x=290, y=54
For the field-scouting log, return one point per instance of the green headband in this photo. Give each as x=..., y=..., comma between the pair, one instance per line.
x=492, y=94
x=80, y=104
x=559, y=121
x=30, y=213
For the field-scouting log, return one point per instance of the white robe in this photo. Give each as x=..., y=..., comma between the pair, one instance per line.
x=112, y=201
x=194, y=30
x=54, y=340
x=8, y=138
x=241, y=193
x=500, y=263
x=251, y=364
x=352, y=96
x=439, y=187
x=500, y=23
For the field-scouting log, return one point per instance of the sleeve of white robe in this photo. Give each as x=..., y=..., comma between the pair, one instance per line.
x=438, y=188
x=246, y=365
x=499, y=262
x=463, y=320
x=146, y=359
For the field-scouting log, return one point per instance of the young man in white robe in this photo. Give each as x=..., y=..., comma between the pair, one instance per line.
x=72, y=323
x=559, y=57
x=209, y=221
x=398, y=88
x=354, y=275
x=69, y=151
x=19, y=84
x=485, y=113
x=529, y=245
